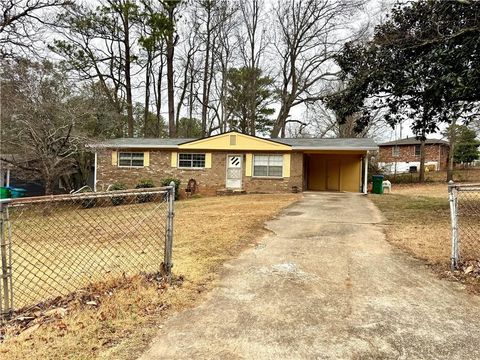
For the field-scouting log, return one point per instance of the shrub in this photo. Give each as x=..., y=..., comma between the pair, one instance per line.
x=145, y=184
x=166, y=182
x=118, y=200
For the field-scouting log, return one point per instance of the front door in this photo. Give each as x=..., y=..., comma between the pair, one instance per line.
x=234, y=172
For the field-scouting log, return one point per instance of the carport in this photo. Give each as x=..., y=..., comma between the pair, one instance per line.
x=333, y=171
x=334, y=164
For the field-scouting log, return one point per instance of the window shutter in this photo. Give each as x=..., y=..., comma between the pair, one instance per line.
x=173, y=159
x=286, y=165
x=146, y=158
x=248, y=165
x=208, y=160
x=114, y=158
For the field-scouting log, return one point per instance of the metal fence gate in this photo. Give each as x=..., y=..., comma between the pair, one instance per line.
x=52, y=246
x=465, y=218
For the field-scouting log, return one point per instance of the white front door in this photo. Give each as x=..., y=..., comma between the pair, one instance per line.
x=234, y=172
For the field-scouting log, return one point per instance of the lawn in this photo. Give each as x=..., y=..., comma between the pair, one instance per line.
x=417, y=219
x=116, y=320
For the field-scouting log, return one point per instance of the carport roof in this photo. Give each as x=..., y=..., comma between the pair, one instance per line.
x=296, y=143
x=330, y=143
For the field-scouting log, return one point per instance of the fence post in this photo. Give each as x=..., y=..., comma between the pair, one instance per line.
x=452, y=198
x=167, y=263
x=5, y=306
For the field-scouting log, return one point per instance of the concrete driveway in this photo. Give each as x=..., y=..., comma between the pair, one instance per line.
x=326, y=285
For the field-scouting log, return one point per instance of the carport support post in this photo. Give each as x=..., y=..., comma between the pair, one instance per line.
x=452, y=198
x=365, y=173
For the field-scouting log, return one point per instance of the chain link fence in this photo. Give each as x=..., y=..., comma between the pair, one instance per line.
x=54, y=245
x=465, y=218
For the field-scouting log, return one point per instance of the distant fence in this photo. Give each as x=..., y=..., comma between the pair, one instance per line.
x=54, y=245
x=465, y=218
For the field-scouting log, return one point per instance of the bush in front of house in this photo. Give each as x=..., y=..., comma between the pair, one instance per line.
x=166, y=182
x=118, y=200
x=145, y=184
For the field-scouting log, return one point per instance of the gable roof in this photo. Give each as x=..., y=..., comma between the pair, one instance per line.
x=414, y=141
x=245, y=142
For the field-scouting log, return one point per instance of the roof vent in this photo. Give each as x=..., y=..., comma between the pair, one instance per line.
x=233, y=139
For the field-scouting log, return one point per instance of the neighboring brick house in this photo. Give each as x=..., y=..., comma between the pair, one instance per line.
x=236, y=162
x=404, y=155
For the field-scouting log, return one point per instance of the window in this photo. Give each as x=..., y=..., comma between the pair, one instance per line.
x=191, y=160
x=268, y=165
x=395, y=151
x=417, y=150
x=130, y=159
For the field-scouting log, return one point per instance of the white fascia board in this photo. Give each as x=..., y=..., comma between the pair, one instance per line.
x=132, y=146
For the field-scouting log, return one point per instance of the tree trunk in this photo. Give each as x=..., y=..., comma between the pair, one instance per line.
x=158, y=100
x=128, y=80
x=422, y=162
x=170, y=91
x=452, y=139
x=206, y=68
x=146, y=130
x=49, y=185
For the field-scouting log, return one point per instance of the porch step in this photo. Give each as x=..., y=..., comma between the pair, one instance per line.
x=226, y=192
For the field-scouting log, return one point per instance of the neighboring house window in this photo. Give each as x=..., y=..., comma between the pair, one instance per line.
x=395, y=151
x=268, y=165
x=131, y=159
x=191, y=160
x=417, y=150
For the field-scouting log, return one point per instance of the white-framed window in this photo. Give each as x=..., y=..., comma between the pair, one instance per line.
x=131, y=159
x=396, y=151
x=191, y=160
x=268, y=165
x=417, y=150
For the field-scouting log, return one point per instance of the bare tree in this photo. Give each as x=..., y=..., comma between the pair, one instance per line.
x=22, y=22
x=96, y=44
x=253, y=43
x=308, y=37
x=38, y=123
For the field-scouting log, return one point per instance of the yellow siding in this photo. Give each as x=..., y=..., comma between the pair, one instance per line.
x=248, y=165
x=286, y=165
x=208, y=160
x=114, y=158
x=243, y=143
x=173, y=159
x=146, y=158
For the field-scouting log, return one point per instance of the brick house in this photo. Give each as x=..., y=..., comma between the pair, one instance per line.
x=402, y=155
x=236, y=162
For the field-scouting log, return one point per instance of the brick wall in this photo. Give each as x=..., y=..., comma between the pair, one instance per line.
x=208, y=180
x=433, y=152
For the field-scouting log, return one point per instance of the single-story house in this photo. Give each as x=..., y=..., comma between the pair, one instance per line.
x=404, y=155
x=236, y=162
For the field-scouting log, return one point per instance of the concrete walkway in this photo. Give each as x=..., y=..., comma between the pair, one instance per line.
x=326, y=285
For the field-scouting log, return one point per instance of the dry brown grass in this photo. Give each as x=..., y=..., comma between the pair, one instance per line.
x=418, y=221
x=208, y=232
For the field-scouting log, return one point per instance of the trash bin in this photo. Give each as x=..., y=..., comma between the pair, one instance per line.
x=4, y=193
x=377, y=184
x=17, y=192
